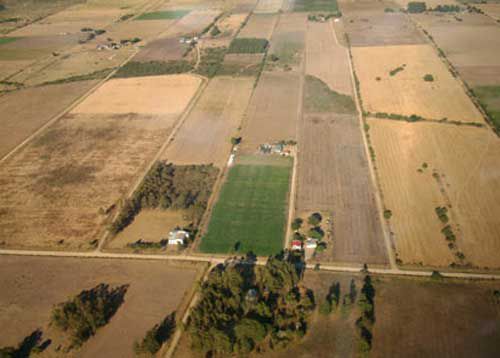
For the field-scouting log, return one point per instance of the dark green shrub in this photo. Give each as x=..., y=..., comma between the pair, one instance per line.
x=416, y=7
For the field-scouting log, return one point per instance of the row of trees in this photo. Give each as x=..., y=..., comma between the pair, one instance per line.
x=245, y=308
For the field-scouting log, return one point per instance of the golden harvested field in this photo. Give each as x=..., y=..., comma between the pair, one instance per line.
x=466, y=161
x=152, y=95
x=273, y=111
x=228, y=26
x=149, y=225
x=268, y=6
x=406, y=92
x=33, y=285
x=67, y=182
x=205, y=135
x=288, y=42
x=333, y=176
x=29, y=109
x=326, y=59
x=259, y=26
x=471, y=45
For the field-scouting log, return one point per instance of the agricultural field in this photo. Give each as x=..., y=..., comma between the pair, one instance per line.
x=250, y=213
x=367, y=24
x=34, y=285
x=272, y=115
x=392, y=81
x=68, y=181
x=205, y=136
x=259, y=26
x=268, y=6
x=241, y=64
x=227, y=27
x=314, y=5
x=492, y=10
x=471, y=44
x=326, y=59
x=287, y=43
x=426, y=166
x=30, y=108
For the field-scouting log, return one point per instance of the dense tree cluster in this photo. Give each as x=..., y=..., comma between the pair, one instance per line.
x=169, y=186
x=155, y=337
x=415, y=7
x=365, y=322
x=245, y=308
x=81, y=316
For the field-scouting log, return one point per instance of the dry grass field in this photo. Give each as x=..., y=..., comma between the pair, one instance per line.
x=405, y=92
x=205, y=135
x=142, y=95
x=268, y=6
x=273, y=111
x=228, y=26
x=31, y=108
x=333, y=176
x=492, y=10
x=149, y=225
x=33, y=285
x=288, y=42
x=259, y=26
x=467, y=177
x=471, y=44
x=67, y=181
x=326, y=59
x=367, y=24
x=241, y=64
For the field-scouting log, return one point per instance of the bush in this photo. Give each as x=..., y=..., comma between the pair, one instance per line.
x=442, y=213
x=416, y=7
x=429, y=78
x=248, y=45
x=396, y=70
x=387, y=214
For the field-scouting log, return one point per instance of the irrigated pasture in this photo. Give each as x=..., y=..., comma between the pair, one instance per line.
x=273, y=111
x=67, y=182
x=32, y=286
x=392, y=81
x=470, y=44
x=288, y=42
x=423, y=166
x=259, y=26
x=326, y=59
x=28, y=109
x=367, y=24
x=205, y=136
x=333, y=176
x=268, y=6
x=250, y=213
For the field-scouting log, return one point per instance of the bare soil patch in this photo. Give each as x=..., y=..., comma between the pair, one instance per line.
x=326, y=59
x=205, y=135
x=33, y=285
x=31, y=108
x=273, y=111
x=391, y=81
x=460, y=173
x=258, y=26
x=470, y=44
x=333, y=176
x=153, y=95
x=367, y=24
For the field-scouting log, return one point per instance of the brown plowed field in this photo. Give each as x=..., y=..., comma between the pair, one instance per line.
x=64, y=182
x=326, y=59
x=471, y=45
x=367, y=24
x=333, y=176
x=29, y=109
x=259, y=26
x=273, y=111
x=205, y=136
x=406, y=92
x=466, y=161
x=32, y=285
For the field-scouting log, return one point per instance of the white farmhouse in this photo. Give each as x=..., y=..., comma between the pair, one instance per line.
x=177, y=237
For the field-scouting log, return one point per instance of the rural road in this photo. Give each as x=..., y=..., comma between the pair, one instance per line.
x=261, y=261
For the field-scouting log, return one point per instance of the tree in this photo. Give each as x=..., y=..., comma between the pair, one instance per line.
x=248, y=333
x=156, y=336
x=297, y=223
x=415, y=7
x=235, y=140
x=429, y=78
x=316, y=233
x=314, y=219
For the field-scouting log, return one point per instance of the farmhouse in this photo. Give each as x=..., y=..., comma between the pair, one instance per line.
x=177, y=237
x=311, y=243
x=296, y=245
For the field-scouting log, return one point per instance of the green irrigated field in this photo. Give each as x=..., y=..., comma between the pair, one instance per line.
x=163, y=15
x=489, y=97
x=315, y=5
x=6, y=40
x=250, y=214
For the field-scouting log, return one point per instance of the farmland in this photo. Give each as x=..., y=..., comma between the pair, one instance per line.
x=83, y=153
x=250, y=213
x=205, y=136
x=258, y=26
x=34, y=285
x=383, y=89
x=459, y=172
